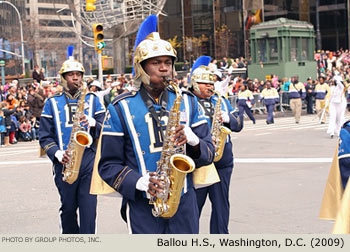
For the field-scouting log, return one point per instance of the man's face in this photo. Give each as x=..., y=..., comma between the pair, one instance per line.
x=158, y=68
x=73, y=80
x=205, y=89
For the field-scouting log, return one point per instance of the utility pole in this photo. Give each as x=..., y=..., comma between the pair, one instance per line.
x=318, y=33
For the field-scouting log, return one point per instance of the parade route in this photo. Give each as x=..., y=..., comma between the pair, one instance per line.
x=276, y=187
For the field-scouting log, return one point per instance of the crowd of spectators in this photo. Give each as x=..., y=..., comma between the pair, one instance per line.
x=21, y=106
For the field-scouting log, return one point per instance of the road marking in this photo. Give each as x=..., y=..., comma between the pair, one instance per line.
x=45, y=161
x=262, y=134
x=15, y=152
x=282, y=160
x=236, y=160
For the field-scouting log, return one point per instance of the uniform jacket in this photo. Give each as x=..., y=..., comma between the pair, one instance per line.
x=297, y=91
x=321, y=90
x=57, y=119
x=244, y=97
x=207, y=106
x=137, y=144
x=269, y=96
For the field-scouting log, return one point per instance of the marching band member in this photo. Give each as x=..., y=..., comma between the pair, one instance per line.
x=245, y=101
x=297, y=92
x=202, y=86
x=55, y=130
x=270, y=97
x=337, y=106
x=135, y=125
x=321, y=91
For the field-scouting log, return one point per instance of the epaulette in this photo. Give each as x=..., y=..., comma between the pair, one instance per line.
x=188, y=92
x=346, y=124
x=58, y=94
x=123, y=96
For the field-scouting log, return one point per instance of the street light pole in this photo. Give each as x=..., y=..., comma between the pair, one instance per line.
x=21, y=31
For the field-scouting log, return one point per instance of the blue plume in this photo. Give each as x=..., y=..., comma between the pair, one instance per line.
x=70, y=50
x=201, y=61
x=148, y=26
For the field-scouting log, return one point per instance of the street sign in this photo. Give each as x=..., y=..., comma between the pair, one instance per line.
x=2, y=63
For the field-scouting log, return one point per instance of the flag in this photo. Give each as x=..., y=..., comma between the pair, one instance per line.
x=342, y=222
x=333, y=191
x=98, y=185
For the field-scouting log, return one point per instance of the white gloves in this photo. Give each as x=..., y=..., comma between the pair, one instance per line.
x=225, y=117
x=91, y=121
x=192, y=139
x=59, y=155
x=338, y=78
x=143, y=182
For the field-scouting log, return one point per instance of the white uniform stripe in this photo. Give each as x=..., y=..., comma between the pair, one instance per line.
x=199, y=123
x=91, y=102
x=58, y=123
x=48, y=116
x=187, y=109
x=134, y=136
x=112, y=133
x=128, y=218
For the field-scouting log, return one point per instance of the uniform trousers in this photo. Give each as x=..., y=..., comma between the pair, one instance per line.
x=245, y=108
x=270, y=108
x=141, y=221
x=76, y=196
x=320, y=104
x=295, y=105
x=219, y=197
x=336, y=117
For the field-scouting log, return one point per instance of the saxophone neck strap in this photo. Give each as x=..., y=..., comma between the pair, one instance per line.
x=150, y=104
x=78, y=94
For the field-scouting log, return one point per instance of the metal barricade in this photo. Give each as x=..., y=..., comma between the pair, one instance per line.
x=233, y=100
x=258, y=106
x=284, y=100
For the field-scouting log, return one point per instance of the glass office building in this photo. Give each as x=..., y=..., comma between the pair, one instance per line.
x=194, y=18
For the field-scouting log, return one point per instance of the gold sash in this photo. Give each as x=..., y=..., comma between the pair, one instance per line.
x=205, y=176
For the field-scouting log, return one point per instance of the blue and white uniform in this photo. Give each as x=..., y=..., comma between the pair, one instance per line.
x=132, y=144
x=54, y=134
x=219, y=192
x=344, y=153
x=269, y=96
x=245, y=101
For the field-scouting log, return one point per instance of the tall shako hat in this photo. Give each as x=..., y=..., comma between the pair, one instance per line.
x=70, y=65
x=149, y=45
x=200, y=73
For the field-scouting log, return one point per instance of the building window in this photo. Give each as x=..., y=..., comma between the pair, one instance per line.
x=262, y=50
x=293, y=49
x=273, y=49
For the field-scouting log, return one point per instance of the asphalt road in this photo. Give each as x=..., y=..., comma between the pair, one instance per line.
x=276, y=188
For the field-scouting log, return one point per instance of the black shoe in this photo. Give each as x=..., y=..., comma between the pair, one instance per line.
x=332, y=136
x=267, y=122
x=322, y=122
x=297, y=122
x=253, y=122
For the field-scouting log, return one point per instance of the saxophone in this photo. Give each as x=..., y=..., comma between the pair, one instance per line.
x=218, y=131
x=79, y=139
x=173, y=165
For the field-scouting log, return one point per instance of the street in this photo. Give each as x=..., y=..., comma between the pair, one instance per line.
x=276, y=188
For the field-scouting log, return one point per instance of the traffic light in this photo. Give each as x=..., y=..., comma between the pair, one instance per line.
x=90, y=5
x=98, y=35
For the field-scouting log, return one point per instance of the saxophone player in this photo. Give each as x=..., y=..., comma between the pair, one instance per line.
x=134, y=126
x=54, y=136
x=202, y=85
